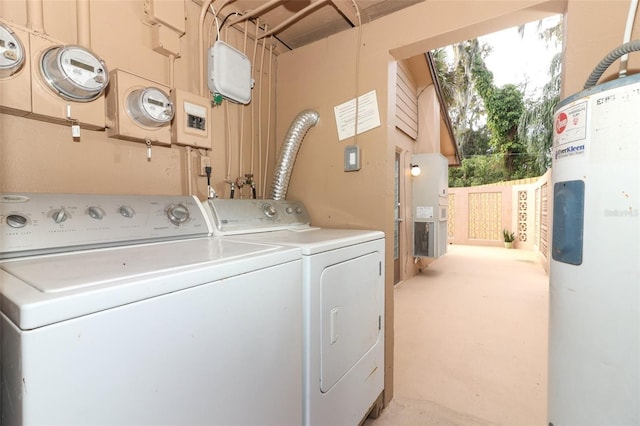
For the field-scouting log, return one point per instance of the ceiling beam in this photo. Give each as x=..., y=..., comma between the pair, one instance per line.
x=347, y=8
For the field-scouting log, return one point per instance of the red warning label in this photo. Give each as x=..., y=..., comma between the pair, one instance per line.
x=561, y=122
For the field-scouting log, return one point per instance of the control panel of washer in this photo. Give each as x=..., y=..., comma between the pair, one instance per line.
x=242, y=216
x=47, y=223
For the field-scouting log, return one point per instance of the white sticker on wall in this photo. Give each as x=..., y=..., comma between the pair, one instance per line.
x=368, y=115
x=424, y=212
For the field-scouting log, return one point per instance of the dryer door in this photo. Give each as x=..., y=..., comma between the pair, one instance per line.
x=351, y=304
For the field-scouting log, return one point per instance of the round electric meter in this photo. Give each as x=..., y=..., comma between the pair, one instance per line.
x=74, y=72
x=11, y=52
x=150, y=107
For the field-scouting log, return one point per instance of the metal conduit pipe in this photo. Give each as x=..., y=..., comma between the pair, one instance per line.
x=632, y=46
x=298, y=129
x=631, y=15
x=83, y=22
x=35, y=19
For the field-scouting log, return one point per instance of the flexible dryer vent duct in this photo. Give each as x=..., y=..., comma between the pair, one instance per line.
x=302, y=123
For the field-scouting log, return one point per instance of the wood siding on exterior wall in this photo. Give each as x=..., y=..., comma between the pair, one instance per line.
x=406, y=102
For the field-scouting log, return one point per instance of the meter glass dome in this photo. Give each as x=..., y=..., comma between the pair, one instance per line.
x=150, y=107
x=11, y=52
x=74, y=72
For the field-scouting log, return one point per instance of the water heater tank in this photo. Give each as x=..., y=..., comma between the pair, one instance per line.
x=594, y=317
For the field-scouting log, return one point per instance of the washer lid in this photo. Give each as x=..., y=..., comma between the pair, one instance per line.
x=43, y=290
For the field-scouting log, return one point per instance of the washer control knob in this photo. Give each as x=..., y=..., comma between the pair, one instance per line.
x=59, y=215
x=127, y=211
x=269, y=210
x=16, y=221
x=178, y=214
x=95, y=212
x=299, y=210
x=289, y=210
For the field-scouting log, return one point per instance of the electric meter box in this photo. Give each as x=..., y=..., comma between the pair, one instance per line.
x=57, y=98
x=229, y=73
x=15, y=70
x=138, y=109
x=192, y=121
x=169, y=13
x=11, y=52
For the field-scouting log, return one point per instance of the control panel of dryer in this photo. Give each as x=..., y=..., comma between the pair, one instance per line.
x=247, y=215
x=33, y=224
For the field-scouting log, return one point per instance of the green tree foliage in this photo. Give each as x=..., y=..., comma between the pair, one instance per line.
x=466, y=110
x=504, y=106
x=500, y=134
x=536, y=124
x=476, y=141
x=478, y=170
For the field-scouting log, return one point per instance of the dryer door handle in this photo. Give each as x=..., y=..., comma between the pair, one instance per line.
x=333, y=325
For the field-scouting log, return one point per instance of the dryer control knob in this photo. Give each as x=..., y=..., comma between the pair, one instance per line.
x=178, y=214
x=95, y=212
x=127, y=211
x=16, y=221
x=59, y=215
x=269, y=210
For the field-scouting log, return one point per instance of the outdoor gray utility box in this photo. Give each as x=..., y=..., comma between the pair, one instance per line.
x=430, y=205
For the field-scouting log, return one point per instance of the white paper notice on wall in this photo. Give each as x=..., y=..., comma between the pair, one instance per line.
x=368, y=115
x=424, y=212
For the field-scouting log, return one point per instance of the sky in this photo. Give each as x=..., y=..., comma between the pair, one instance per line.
x=515, y=58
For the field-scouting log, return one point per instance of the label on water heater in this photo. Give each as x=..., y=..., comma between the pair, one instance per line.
x=570, y=131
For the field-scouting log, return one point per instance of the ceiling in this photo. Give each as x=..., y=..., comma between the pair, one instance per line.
x=321, y=19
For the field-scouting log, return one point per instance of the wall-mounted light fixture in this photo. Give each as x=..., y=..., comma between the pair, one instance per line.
x=415, y=169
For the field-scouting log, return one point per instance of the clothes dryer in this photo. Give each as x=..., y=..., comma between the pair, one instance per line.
x=343, y=303
x=121, y=310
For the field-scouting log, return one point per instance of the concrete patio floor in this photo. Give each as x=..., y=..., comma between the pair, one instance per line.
x=471, y=341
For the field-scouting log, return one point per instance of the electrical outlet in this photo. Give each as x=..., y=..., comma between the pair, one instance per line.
x=205, y=161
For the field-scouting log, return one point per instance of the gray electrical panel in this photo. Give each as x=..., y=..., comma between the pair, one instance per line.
x=430, y=205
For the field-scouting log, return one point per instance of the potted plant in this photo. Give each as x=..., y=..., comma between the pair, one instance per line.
x=508, y=237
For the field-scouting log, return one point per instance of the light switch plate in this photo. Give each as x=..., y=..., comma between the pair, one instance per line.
x=351, y=158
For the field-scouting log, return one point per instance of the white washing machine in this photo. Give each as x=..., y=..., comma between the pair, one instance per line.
x=121, y=310
x=343, y=303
